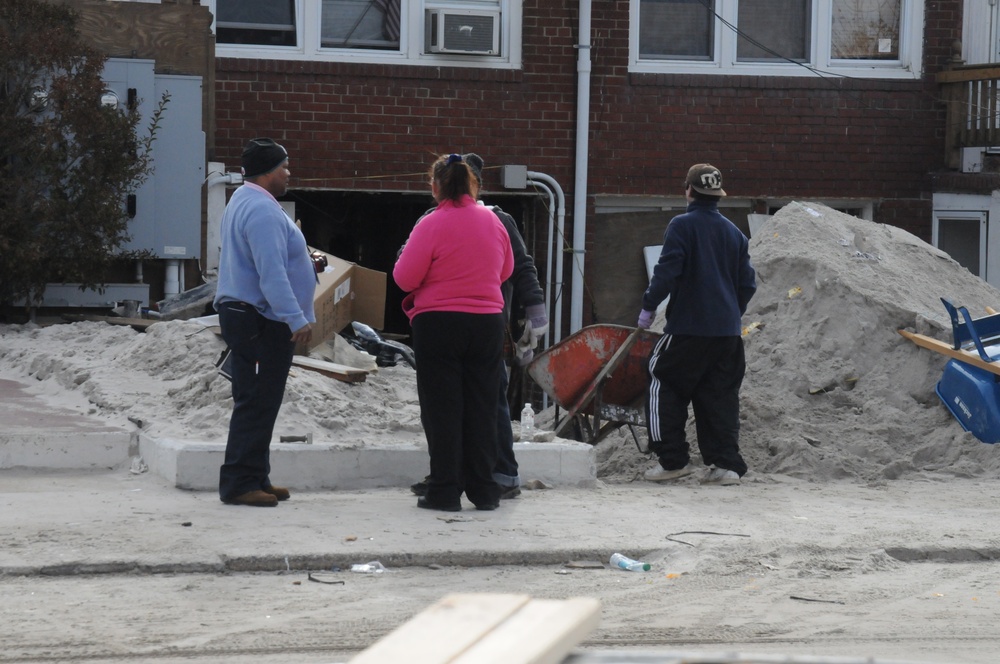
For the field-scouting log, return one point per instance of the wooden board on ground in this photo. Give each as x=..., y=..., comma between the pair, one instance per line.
x=341, y=372
x=939, y=346
x=137, y=323
x=488, y=629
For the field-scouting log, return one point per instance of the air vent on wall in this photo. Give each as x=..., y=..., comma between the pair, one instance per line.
x=463, y=31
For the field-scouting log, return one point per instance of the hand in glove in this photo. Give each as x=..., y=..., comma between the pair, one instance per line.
x=535, y=325
x=645, y=319
x=538, y=321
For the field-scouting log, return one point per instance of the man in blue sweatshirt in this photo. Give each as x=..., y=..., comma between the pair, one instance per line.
x=704, y=269
x=264, y=297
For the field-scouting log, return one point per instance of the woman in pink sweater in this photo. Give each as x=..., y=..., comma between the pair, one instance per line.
x=452, y=267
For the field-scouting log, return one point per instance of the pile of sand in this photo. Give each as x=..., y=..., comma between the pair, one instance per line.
x=832, y=390
x=166, y=380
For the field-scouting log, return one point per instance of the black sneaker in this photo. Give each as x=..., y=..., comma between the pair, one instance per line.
x=420, y=488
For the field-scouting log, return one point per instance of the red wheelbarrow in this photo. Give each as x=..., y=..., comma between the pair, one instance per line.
x=599, y=376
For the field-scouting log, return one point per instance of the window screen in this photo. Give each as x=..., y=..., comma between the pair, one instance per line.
x=265, y=22
x=678, y=29
x=774, y=29
x=865, y=29
x=360, y=24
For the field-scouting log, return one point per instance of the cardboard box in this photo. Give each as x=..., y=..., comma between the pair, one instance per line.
x=347, y=292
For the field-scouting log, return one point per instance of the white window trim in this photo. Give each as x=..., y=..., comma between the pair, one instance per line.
x=908, y=67
x=973, y=207
x=307, y=26
x=864, y=209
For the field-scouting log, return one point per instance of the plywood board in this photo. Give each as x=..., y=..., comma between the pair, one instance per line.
x=444, y=630
x=339, y=371
x=541, y=632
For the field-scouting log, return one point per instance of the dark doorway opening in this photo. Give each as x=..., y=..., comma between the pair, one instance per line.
x=368, y=228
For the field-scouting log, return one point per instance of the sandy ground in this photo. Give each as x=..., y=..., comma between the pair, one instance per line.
x=863, y=529
x=904, y=572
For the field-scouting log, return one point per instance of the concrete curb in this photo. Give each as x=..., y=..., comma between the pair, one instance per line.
x=195, y=465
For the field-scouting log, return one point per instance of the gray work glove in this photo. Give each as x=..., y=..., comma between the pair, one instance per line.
x=535, y=325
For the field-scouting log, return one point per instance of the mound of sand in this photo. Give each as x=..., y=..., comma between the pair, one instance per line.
x=832, y=391
x=166, y=379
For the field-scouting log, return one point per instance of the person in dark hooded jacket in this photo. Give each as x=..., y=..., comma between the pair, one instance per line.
x=704, y=269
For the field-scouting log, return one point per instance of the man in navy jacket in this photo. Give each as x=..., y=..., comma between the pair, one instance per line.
x=704, y=269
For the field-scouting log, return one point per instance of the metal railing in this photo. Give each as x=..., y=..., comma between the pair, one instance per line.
x=972, y=95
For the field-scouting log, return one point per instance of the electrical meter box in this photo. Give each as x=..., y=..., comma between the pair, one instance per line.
x=166, y=211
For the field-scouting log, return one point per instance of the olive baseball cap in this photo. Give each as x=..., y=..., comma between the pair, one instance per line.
x=705, y=179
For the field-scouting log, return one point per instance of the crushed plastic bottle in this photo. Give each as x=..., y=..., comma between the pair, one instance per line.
x=373, y=567
x=527, y=423
x=622, y=562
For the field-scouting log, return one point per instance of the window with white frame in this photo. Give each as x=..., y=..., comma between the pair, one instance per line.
x=262, y=23
x=360, y=24
x=480, y=33
x=856, y=38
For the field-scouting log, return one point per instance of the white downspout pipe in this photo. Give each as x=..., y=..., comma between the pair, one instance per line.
x=582, y=165
x=557, y=240
x=172, y=285
x=216, y=207
x=548, y=254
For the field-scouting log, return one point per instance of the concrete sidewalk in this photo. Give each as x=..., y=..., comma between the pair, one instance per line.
x=98, y=515
x=78, y=522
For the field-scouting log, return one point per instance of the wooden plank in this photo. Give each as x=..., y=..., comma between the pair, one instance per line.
x=938, y=346
x=341, y=372
x=972, y=73
x=444, y=630
x=542, y=632
x=138, y=323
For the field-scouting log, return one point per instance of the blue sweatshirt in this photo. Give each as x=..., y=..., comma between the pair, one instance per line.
x=265, y=261
x=705, y=268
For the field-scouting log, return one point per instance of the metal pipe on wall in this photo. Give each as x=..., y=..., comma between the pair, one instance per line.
x=561, y=227
x=548, y=267
x=548, y=252
x=582, y=148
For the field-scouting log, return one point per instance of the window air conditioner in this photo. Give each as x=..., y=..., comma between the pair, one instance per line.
x=463, y=31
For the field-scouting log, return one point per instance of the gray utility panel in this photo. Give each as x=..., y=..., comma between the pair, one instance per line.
x=167, y=210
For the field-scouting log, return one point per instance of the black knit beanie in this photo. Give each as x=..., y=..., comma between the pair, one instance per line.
x=262, y=155
x=475, y=162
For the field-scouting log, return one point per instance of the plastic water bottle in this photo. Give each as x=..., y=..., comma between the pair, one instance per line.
x=527, y=423
x=621, y=562
x=374, y=567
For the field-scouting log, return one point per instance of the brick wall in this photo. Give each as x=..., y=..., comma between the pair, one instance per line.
x=348, y=123
x=377, y=127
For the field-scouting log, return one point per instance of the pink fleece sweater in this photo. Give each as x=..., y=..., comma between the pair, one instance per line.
x=455, y=260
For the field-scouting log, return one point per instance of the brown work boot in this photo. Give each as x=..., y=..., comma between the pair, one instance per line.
x=279, y=492
x=256, y=498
